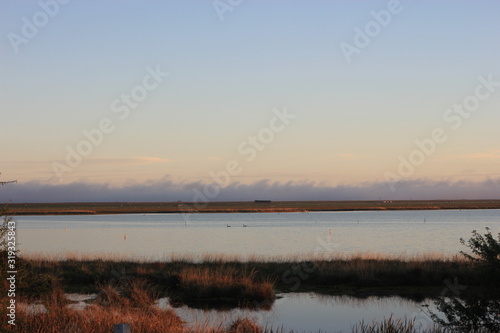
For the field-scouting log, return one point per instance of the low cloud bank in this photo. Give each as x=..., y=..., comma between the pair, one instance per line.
x=166, y=190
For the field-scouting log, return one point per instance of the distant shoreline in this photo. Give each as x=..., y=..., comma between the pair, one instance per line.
x=258, y=206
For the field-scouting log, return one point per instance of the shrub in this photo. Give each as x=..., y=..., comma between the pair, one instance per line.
x=475, y=310
x=486, y=250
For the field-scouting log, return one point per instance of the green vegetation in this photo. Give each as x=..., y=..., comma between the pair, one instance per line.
x=486, y=252
x=475, y=310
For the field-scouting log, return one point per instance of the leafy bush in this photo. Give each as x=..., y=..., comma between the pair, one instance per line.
x=475, y=310
x=486, y=250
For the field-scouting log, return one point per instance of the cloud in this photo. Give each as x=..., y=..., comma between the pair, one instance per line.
x=168, y=190
x=104, y=160
x=125, y=160
x=491, y=154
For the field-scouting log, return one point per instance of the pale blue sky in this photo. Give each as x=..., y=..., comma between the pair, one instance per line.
x=353, y=120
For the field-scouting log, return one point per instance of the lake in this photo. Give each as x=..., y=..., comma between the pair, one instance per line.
x=164, y=236
x=161, y=236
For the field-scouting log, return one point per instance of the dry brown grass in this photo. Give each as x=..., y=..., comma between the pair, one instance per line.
x=369, y=270
x=217, y=275
x=198, y=283
x=219, y=258
x=110, y=296
x=244, y=325
x=99, y=319
x=73, y=255
x=133, y=306
x=109, y=309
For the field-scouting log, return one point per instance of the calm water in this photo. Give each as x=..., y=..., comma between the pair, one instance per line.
x=309, y=312
x=156, y=236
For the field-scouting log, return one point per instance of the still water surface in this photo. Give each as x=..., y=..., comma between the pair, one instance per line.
x=158, y=236
x=309, y=312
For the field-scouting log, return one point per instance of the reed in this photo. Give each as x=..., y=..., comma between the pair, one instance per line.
x=380, y=271
x=99, y=319
x=132, y=304
x=392, y=325
x=217, y=276
x=405, y=325
x=244, y=325
x=230, y=284
x=110, y=308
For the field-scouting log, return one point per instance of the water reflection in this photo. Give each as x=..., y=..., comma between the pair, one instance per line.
x=470, y=312
x=158, y=236
x=224, y=305
x=311, y=312
x=300, y=312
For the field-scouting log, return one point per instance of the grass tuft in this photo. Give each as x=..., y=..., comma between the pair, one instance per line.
x=244, y=325
x=206, y=283
x=100, y=319
x=391, y=325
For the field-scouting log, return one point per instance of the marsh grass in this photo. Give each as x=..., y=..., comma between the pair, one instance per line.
x=127, y=289
x=109, y=296
x=244, y=325
x=97, y=318
x=134, y=305
x=229, y=285
x=405, y=325
x=377, y=271
x=394, y=325
x=219, y=276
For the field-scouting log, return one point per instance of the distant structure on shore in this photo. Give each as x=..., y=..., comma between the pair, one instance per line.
x=262, y=201
x=8, y=182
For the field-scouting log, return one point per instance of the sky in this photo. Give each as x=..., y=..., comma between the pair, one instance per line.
x=236, y=100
